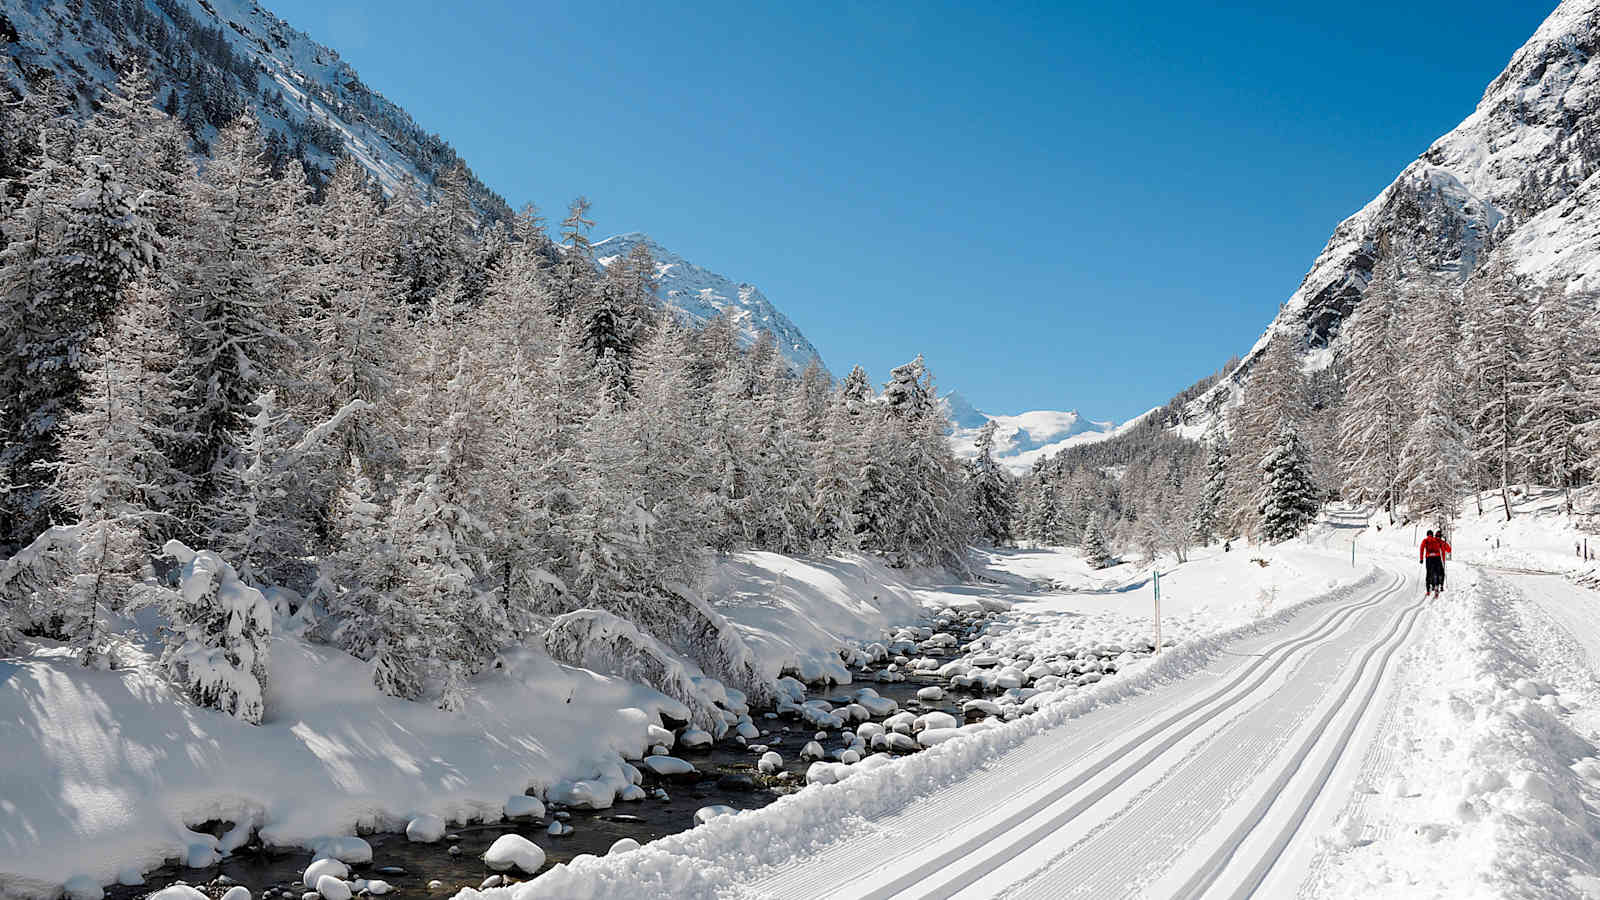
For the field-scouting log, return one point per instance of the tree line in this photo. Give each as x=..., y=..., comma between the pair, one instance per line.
x=429, y=436
x=1440, y=391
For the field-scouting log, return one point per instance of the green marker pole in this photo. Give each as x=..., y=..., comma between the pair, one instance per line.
x=1156, y=580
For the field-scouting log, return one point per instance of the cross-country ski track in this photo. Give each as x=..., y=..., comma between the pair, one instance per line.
x=1212, y=785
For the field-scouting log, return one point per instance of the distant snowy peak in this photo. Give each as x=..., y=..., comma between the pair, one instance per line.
x=702, y=294
x=1517, y=181
x=1023, y=439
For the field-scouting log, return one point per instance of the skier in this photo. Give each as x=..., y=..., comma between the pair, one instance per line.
x=1433, y=553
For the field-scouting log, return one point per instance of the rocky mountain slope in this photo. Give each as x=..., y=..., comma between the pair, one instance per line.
x=211, y=60
x=702, y=294
x=1516, y=182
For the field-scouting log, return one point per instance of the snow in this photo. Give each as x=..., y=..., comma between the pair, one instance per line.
x=425, y=829
x=1023, y=439
x=514, y=851
x=102, y=769
x=332, y=888
x=522, y=806
x=668, y=766
x=324, y=866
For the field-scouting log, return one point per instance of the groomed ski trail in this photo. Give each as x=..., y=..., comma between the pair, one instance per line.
x=1199, y=788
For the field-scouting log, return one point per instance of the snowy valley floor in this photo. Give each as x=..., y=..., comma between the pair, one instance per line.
x=1312, y=730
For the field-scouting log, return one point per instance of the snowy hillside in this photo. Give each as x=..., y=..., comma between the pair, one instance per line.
x=1025, y=438
x=703, y=294
x=213, y=59
x=1514, y=183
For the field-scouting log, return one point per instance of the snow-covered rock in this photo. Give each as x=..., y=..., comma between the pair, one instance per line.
x=332, y=888
x=321, y=867
x=695, y=739
x=706, y=813
x=770, y=764
x=514, y=851
x=582, y=794
x=522, y=806
x=623, y=845
x=668, y=766
x=425, y=829
x=178, y=892
x=345, y=848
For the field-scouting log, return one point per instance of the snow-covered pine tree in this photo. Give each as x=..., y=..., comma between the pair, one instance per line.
x=444, y=535
x=1093, y=545
x=146, y=147
x=1557, y=387
x=232, y=320
x=220, y=644
x=376, y=622
x=349, y=309
x=1206, y=519
x=1377, y=404
x=105, y=243
x=113, y=476
x=1275, y=392
x=437, y=241
x=1288, y=494
x=1497, y=343
x=992, y=492
x=785, y=473
x=838, y=466
x=32, y=228
x=873, y=512
x=856, y=389
x=614, y=320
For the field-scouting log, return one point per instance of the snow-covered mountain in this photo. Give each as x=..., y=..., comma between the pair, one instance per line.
x=213, y=59
x=1517, y=182
x=702, y=294
x=1023, y=439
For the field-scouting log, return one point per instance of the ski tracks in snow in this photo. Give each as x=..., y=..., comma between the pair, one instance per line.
x=1201, y=790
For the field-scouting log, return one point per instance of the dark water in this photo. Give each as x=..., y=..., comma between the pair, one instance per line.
x=261, y=869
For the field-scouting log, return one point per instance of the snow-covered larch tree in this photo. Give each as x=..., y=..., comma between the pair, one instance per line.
x=1497, y=319
x=1377, y=407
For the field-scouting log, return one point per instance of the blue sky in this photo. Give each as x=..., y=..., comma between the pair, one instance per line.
x=1061, y=205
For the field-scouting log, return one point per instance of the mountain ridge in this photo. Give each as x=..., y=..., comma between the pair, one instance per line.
x=701, y=294
x=1513, y=184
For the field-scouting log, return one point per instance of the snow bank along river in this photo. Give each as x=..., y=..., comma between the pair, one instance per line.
x=913, y=689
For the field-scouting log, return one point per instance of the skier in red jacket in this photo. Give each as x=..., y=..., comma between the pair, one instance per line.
x=1433, y=553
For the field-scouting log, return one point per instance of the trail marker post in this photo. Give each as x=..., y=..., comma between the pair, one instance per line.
x=1156, y=580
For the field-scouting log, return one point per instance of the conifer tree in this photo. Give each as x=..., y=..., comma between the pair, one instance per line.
x=1207, y=519
x=1093, y=545
x=1288, y=494
x=1274, y=392
x=992, y=492
x=231, y=314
